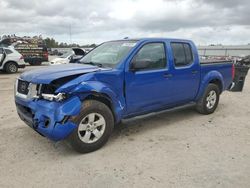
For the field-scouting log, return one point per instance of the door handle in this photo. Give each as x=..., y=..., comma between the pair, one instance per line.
x=194, y=72
x=167, y=75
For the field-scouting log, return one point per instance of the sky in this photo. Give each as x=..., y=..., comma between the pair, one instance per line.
x=95, y=21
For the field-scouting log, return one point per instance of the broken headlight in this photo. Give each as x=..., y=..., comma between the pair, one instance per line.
x=51, y=97
x=47, y=92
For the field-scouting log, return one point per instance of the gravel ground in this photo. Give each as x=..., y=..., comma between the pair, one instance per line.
x=174, y=149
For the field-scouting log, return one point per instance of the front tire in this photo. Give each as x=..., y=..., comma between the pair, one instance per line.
x=209, y=101
x=94, y=127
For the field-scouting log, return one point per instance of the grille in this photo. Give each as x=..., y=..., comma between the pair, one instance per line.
x=23, y=87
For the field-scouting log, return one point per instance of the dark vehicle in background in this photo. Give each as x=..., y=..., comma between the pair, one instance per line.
x=34, y=54
x=241, y=70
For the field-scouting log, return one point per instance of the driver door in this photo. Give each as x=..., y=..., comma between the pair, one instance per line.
x=148, y=86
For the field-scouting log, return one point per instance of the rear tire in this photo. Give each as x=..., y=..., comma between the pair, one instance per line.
x=209, y=101
x=11, y=67
x=94, y=127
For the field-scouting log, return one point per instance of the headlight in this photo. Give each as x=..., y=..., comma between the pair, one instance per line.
x=51, y=97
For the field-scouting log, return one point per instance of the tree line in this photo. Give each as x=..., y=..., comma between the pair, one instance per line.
x=52, y=43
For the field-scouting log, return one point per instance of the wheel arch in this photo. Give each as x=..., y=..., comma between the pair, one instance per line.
x=7, y=63
x=103, y=98
x=213, y=77
x=99, y=91
x=10, y=61
x=103, y=93
x=218, y=83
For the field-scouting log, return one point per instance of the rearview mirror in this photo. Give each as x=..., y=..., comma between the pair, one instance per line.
x=139, y=65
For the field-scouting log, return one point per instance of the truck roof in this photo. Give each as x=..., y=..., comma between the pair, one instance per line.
x=153, y=39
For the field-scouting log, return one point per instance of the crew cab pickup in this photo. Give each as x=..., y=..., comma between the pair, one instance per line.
x=117, y=80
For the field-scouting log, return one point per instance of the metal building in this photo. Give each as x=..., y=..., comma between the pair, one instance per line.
x=220, y=50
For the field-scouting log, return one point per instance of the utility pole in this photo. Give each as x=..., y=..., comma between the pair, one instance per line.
x=70, y=34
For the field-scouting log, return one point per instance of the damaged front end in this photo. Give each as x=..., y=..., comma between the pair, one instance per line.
x=46, y=111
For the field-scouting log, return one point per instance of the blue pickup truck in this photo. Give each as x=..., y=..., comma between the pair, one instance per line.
x=117, y=80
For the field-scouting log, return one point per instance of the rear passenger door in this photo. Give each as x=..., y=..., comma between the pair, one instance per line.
x=186, y=72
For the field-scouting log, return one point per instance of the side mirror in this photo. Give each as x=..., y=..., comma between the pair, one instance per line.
x=139, y=65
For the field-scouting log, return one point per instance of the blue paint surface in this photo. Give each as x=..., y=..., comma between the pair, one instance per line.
x=43, y=110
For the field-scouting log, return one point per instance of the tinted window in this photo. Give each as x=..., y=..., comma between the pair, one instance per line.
x=8, y=51
x=182, y=54
x=189, y=54
x=1, y=51
x=154, y=54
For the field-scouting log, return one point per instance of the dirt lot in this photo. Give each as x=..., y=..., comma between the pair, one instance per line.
x=174, y=149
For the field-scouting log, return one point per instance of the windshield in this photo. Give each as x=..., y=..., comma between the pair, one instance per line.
x=67, y=54
x=108, y=54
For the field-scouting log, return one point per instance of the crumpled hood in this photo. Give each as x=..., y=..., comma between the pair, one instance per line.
x=48, y=74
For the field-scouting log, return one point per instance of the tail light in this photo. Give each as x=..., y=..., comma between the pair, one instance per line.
x=46, y=54
x=233, y=71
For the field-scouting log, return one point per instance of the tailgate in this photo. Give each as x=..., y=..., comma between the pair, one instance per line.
x=240, y=73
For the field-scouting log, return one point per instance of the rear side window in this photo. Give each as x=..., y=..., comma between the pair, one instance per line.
x=8, y=51
x=183, y=55
x=188, y=53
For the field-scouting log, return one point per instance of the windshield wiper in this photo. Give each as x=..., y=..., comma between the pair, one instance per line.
x=93, y=63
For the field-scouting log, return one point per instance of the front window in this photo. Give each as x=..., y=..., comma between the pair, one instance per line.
x=108, y=54
x=151, y=56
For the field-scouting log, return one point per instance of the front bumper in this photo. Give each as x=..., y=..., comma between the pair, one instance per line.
x=50, y=119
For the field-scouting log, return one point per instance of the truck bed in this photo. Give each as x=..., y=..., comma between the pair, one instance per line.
x=214, y=61
x=224, y=67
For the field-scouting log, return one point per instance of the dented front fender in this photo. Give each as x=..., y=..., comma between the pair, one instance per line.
x=102, y=89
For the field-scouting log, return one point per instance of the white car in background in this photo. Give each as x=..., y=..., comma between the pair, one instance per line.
x=10, y=60
x=69, y=57
x=63, y=59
